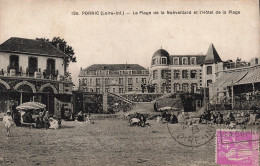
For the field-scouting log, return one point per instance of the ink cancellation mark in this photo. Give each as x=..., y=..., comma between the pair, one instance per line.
x=193, y=135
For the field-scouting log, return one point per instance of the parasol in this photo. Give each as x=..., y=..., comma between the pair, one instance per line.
x=30, y=106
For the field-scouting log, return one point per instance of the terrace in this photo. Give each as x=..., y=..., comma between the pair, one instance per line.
x=33, y=73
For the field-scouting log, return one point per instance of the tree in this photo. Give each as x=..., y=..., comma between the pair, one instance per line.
x=68, y=50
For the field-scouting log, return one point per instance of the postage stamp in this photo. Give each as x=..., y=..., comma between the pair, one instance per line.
x=237, y=147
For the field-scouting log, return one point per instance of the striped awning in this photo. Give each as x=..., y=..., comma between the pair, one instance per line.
x=30, y=106
x=227, y=79
x=253, y=76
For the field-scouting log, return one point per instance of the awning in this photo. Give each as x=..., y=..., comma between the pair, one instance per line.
x=30, y=106
x=63, y=97
x=227, y=79
x=253, y=76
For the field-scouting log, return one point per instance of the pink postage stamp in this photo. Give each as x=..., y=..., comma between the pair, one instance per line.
x=234, y=147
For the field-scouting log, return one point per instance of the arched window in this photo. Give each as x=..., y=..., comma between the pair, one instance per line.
x=164, y=60
x=176, y=61
x=209, y=70
x=193, y=61
x=153, y=61
x=184, y=61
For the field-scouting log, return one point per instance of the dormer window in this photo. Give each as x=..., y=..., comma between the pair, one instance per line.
x=154, y=61
x=193, y=61
x=164, y=60
x=176, y=61
x=184, y=61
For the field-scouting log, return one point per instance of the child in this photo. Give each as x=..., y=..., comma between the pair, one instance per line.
x=8, y=121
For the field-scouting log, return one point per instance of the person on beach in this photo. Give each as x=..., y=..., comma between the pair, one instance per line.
x=8, y=122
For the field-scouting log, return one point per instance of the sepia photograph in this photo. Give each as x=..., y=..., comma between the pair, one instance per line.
x=129, y=82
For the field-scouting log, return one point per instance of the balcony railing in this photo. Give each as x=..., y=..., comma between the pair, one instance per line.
x=30, y=71
x=33, y=73
x=14, y=70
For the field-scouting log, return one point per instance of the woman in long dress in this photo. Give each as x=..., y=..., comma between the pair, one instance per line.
x=8, y=121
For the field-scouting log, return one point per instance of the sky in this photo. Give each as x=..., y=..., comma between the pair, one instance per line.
x=131, y=38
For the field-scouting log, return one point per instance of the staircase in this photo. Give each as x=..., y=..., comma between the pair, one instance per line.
x=120, y=98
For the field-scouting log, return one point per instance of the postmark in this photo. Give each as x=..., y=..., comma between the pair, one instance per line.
x=237, y=147
x=192, y=134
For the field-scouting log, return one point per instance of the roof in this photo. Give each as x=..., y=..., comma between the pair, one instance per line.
x=161, y=52
x=253, y=76
x=212, y=56
x=199, y=58
x=227, y=79
x=113, y=67
x=30, y=46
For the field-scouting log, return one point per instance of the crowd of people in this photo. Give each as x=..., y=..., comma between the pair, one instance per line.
x=137, y=119
x=141, y=97
x=230, y=119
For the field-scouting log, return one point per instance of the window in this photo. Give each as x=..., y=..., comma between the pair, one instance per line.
x=90, y=81
x=193, y=73
x=137, y=81
x=130, y=72
x=107, y=72
x=121, y=90
x=130, y=89
x=98, y=90
x=209, y=70
x=185, y=74
x=130, y=81
x=98, y=72
x=120, y=81
x=97, y=81
x=114, y=90
x=185, y=87
x=106, y=80
x=193, y=61
x=164, y=60
x=121, y=72
x=32, y=66
x=209, y=82
x=155, y=74
x=176, y=74
x=175, y=61
x=153, y=61
x=176, y=87
x=107, y=90
x=193, y=87
x=143, y=80
x=164, y=74
x=184, y=61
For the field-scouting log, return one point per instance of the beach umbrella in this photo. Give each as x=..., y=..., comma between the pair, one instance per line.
x=30, y=106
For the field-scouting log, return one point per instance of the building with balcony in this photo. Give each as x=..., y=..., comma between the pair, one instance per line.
x=34, y=70
x=115, y=78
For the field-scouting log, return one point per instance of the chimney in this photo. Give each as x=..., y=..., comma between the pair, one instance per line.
x=61, y=47
x=80, y=68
